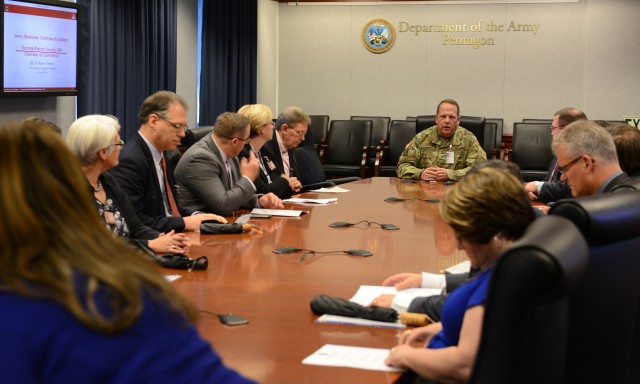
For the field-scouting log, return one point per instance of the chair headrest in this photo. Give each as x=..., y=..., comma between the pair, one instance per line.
x=603, y=219
x=551, y=246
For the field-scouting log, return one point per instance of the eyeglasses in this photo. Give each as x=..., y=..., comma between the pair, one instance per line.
x=552, y=128
x=300, y=133
x=246, y=141
x=176, y=126
x=564, y=169
x=120, y=143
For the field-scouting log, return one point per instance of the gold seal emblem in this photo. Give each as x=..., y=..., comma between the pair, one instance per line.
x=378, y=35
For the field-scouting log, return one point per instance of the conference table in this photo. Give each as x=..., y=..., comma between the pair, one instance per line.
x=273, y=291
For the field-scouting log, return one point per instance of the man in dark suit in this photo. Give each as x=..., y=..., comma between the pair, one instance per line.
x=552, y=188
x=587, y=159
x=210, y=176
x=146, y=176
x=291, y=127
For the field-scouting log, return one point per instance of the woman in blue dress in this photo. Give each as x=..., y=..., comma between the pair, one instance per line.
x=488, y=210
x=79, y=305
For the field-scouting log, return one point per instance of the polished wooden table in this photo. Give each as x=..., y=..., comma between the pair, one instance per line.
x=274, y=291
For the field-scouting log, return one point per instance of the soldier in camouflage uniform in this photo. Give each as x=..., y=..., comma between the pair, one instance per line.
x=442, y=152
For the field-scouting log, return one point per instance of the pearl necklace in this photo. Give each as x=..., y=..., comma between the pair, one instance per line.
x=98, y=188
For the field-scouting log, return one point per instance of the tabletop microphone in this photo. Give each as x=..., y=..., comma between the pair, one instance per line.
x=393, y=199
x=344, y=224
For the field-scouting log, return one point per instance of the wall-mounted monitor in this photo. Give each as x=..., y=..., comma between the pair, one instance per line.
x=39, y=48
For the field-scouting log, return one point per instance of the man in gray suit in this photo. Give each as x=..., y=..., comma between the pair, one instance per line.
x=211, y=178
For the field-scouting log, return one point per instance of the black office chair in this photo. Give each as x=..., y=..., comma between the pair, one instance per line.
x=347, y=146
x=317, y=131
x=532, y=149
x=401, y=132
x=309, y=171
x=538, y=121
x=379, y=135
x=604, y=311
x=490, y=140
x=425, y=121
x=475, y=125
x=524, y=328
x=499, y=129
x=200, y=132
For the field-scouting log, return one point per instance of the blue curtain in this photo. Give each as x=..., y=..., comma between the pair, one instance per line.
x=128, y=51
x=229, y=57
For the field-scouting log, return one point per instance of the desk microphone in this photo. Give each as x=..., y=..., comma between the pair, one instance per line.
x=352, y=252
x=396, y=199
x=344, y=224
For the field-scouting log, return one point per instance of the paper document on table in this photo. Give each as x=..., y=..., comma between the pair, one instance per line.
x=335, y=189
x=310, y=201
x=331, y=355
x=459, y=268
x=335, y=319
x=277, y=212
x=172, y=277
x=367, y=293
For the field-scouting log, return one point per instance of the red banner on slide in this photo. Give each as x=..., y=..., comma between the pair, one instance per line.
x=10, y=8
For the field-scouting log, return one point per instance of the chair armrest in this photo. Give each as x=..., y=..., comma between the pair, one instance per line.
x=380, y=150
x=363, y=161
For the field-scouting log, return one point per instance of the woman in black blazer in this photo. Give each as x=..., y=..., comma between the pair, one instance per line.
x=269, y=180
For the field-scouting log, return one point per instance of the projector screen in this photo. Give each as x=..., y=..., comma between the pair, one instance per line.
x=40, y=48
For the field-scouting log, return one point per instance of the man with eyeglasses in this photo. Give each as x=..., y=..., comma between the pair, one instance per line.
x=587, y=159
x=552, y=188
x=144, y=173
x=291, y=127
x=211, y=177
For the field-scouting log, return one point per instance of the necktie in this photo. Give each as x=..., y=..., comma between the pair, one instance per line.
x=554, y=171
x=167, y=188
x=285, y=162
x=230, y=173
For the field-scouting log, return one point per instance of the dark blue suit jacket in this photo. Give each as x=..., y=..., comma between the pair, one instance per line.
x=553, y=189
x=136, y=174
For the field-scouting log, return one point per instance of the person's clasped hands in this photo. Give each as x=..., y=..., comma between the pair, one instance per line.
x=434, y=173
x=171, y=242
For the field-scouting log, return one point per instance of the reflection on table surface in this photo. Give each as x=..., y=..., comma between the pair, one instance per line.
x=273, y=291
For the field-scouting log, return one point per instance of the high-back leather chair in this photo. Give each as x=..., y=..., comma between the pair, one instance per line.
x=475, y=125
x=532, y=149
x=425, y=121
x=604, y=311
x=309, y=171
x=538, y=121
x=401, y=132
x=490, y=147
x=379, y=135
x=525, y=323
x=499, y=129
x=317, y=131
x=346, y=150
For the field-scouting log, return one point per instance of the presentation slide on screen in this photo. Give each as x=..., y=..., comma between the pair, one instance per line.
x=40, y=43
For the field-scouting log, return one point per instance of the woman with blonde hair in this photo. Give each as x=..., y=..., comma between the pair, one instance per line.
x=95, y=140
x=268, y=180
x=77, y=304
x=488, y=210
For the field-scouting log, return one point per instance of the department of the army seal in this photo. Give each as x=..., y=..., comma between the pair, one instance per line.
x=378, y=35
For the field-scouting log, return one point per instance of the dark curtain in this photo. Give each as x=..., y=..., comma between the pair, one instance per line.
x=128, y=51
x=229, y=56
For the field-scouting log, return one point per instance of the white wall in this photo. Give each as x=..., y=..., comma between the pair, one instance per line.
x=584, y=55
